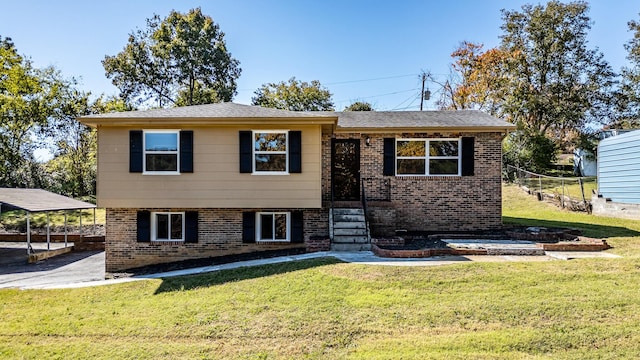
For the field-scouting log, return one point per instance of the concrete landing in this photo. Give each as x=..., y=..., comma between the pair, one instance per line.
x=497, y=247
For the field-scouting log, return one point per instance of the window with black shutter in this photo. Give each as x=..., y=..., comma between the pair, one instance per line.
x=143, y=226
x=191, y=227
x=389, y=154
x=270, y=152
x=468, y=166
x=248, y=227
x=297, y=227
x=161, y=152
x=186, y=151
x=135, y=151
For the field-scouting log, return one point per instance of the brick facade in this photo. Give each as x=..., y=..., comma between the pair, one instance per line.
x=427, y=203
x=219, y=234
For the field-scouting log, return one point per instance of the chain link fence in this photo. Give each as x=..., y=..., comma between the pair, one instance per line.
x=567, y=192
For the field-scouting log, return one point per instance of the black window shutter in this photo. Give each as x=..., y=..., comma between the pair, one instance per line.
x=144, y=226
x=297, y=227
x=295, y=152
x=186, y=151
x=467, y=156
x=135, y=151
x=389, y=167
x=191, y=227
x=246, y=152
x=248, y=227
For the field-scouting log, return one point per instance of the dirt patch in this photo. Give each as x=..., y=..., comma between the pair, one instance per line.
x=194, y=263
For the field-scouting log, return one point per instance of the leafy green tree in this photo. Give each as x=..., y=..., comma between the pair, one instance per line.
x=180, y=60
x=73, y=168
x=543, y=78
x=628, y=104
x=30, y=101
x=526, y=151
x=557, y=87
x=478, y=79
x=359, y=106
x=294, y=95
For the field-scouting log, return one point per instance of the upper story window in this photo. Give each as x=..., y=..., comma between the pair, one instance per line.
x=270, y=152
x=428, y=157
x=161, y=151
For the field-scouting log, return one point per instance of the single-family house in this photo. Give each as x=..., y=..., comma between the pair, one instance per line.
x=584, y=161
x=223, y=179
x=619, y=168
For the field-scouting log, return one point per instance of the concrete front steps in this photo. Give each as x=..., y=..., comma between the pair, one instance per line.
x=349, y=229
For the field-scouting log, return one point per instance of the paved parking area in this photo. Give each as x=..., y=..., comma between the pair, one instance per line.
x=74, y=267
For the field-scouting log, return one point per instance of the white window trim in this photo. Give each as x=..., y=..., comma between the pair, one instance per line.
x=254, y=152
x=145, y=152
x=259, y=226
x=428, y=157
x=154, y=229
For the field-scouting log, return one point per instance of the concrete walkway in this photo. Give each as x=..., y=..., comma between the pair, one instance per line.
x=85, y=269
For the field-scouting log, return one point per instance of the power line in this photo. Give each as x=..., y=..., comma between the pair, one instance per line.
x=372, y=79
x=361, y=80
x=397, y=107
x=408, y=106
x=373, y=96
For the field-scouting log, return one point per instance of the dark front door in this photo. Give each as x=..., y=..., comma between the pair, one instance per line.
x=345, y=169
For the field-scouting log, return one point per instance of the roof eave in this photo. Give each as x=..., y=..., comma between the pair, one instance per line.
x=475, y=129
x=202, y=121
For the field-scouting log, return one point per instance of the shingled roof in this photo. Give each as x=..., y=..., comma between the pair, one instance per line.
x=433, y=120
x=472, y=120
x=220, y=110
x=34, y=200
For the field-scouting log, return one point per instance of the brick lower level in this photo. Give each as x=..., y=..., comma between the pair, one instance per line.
x=220, y=230
x=219, y=234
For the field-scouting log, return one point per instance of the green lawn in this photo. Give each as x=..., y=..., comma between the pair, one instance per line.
x=569, y=187
x=324, y=309
x=18, y=218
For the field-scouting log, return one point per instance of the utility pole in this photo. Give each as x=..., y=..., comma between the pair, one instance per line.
x=424, y=95
x=424, y=78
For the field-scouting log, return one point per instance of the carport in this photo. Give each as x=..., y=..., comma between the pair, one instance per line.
x=38, y=200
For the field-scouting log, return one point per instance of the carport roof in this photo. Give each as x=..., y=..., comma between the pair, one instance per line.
x=34, y=200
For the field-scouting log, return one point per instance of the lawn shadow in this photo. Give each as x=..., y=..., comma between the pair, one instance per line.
x=190, y=282
x=589, y=230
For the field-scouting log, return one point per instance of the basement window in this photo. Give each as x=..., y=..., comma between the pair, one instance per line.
x=167, y=226
x=273, y=226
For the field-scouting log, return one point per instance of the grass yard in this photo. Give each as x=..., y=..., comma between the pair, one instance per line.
x=324, y=309
x=570, y=187
x=18, y=218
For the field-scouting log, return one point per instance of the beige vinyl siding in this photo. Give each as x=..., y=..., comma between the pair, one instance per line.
x=216, y=181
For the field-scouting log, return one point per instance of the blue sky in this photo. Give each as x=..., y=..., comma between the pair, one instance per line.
x=360, y=50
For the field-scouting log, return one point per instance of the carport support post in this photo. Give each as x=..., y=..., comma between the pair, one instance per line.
x=94, y=221
x=65, y=228
x=48, y=233
x=80, y=224
x=28, y=234
x=562, y=192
